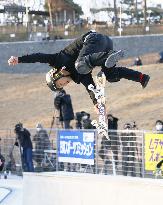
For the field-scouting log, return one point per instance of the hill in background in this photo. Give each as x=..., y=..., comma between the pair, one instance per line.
x=26, y=98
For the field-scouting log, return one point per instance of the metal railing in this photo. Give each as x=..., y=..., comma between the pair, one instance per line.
x=127, y=152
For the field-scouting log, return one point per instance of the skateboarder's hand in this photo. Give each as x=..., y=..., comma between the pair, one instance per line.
x=13, y=60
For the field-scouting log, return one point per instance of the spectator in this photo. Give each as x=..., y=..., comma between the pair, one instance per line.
x=83, y=120
x=2, y=162
x=24, y=140
x=111, y=144
x=129, y=145
x=138, y=61
x=11, y=164
x=42, y=143
x=112, y=132
x=161, y=57
x=63, y=104
x=159, y=126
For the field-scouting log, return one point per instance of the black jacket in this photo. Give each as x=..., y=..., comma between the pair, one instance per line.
x=63, y=103
x=24, y=139
x=67, y=58
x=42, y=142
x=2, y=161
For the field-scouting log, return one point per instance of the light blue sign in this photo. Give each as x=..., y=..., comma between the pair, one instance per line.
x=76, y=146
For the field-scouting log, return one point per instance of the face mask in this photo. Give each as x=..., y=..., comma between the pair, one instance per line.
x=159, y=127
x=38, y=129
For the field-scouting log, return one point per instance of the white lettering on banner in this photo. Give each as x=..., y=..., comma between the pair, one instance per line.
x=68, y=137
x=76, y=147
x=88, y=136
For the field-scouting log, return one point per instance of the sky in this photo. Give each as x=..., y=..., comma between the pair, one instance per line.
x=87, y=4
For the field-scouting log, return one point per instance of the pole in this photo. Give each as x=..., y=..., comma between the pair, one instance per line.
x=115, y=16
x=120, y=27
x=26, y=11
x=145, y=15
x=52, y=122
x=27, y=18
x=50, y=13
x=136, y=10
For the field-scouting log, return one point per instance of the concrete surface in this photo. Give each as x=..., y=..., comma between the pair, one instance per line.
x=85, y=189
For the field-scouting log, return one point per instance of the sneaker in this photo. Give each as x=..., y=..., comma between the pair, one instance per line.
x=158, y=172
x=145, y=80
x=113, y=58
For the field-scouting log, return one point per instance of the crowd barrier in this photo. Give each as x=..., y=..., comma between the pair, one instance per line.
x=132, y=153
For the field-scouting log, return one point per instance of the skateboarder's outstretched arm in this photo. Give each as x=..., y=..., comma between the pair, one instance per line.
x=33, y=58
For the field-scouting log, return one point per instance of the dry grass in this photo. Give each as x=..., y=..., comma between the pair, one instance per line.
x=26, y=98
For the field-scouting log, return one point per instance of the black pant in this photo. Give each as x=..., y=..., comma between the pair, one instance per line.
x=115, y=74
x=95, y=51
x=96, y=46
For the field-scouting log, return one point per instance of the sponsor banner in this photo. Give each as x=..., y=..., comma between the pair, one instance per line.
x=153, y=150
x=76, y=146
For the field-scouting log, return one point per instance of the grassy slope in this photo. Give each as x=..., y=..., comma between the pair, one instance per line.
x=26, y=98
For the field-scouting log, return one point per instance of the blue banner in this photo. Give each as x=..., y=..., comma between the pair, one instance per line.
x=76, y=146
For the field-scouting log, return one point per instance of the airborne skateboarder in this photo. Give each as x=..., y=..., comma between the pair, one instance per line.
x=76, y=62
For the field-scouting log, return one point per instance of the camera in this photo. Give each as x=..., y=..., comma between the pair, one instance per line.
x=130, y=126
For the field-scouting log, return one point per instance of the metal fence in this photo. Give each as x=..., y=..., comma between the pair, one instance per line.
x=15, y=32
x=125, y=152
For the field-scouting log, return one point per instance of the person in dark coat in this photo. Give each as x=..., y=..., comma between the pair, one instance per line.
x=42, y=142
x=24, y=140
x=112, y=133
x=76, y=61
x=138, y=61
x=113, y=141
x=161, y=57
x=2, y=162
x=159, y=126
x=129, y=146
x=63, y=104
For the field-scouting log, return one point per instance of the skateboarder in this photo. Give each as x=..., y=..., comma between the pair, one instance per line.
x=76, y=62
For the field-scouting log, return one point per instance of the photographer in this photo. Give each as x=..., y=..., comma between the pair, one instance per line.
x=63, y=103
x=42, y=142
x=83, y=120
x=24, y=140
x=2, y=162
x=159, y=126
x=129, y=148
x=111, y=144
